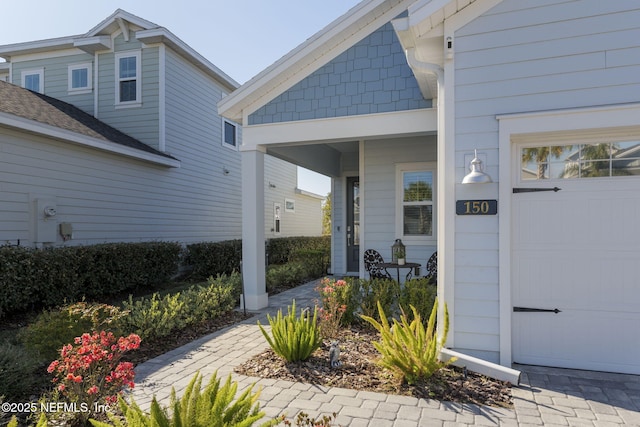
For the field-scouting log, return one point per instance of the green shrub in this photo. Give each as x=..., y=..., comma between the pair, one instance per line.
x=33, y=279
x=213, y=406
x=293, y=338
x=283, y=249
x=52, y=329
x=17, y=278
x=316, y=261
x=408, y=348
x=213, y=258
x=18, y=372
x=419, y=294
x=204, y=302
x=285, y=276
x=374, y=292
x=159, y=316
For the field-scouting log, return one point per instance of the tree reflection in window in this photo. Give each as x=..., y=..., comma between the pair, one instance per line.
x=581, y=161
x=418, y=203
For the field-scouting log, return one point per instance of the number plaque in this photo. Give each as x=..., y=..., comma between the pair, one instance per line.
x=476, y=207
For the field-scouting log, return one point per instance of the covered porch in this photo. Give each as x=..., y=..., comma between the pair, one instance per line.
x=384, y=186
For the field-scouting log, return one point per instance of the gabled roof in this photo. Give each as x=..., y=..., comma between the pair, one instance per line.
x=34, y=112
x=359, y=22
x=99, y=38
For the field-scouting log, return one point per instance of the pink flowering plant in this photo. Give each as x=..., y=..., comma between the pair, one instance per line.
x=334, y=300
x=91, y=372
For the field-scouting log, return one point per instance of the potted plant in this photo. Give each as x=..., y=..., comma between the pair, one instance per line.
x=401, y=256
x=398, y=252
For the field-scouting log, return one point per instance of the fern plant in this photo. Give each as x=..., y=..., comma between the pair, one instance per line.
x=213, y=406
x=293, y=338
x=408, y=348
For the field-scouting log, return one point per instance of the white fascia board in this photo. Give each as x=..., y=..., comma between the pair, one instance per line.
x=17, y=49
x=110, y=24
x=93, y=44
x=309, y=194
x=86, y=141
x=162, y=35
x=346, y=128
x=608, y=116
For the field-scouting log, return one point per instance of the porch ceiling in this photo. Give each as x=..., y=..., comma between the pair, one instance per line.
x=324, y=158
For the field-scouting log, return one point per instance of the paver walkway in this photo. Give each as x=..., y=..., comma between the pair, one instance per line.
x=546, y=396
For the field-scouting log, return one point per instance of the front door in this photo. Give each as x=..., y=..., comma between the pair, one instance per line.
x=353, y=224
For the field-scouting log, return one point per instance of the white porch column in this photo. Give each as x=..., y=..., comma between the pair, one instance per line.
x=253, y=256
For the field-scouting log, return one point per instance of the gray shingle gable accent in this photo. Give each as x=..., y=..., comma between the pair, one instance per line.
x=51, y=111
x=370, y=77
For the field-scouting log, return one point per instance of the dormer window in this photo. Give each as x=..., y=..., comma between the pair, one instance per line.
x=128, y=85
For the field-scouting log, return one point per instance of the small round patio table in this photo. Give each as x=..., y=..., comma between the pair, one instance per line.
x=410, y=265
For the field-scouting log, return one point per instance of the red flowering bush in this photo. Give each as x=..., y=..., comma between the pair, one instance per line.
x=89, y=372
x=334, y=295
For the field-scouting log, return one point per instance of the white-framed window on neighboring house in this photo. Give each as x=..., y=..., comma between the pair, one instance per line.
x=128, y=79
x=290, y=205
x=229, y=134
x=33, y=80
x=415, y=201
x=80, y=78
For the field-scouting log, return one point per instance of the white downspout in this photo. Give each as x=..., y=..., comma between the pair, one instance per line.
x=463, y=360
x=445, y=251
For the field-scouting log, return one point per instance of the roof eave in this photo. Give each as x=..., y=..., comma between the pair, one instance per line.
x=43, y=129
x=16, y=49
x=162, y=35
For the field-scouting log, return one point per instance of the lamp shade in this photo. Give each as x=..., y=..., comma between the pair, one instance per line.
x=477, y=175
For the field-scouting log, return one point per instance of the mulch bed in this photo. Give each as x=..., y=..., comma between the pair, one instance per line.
x=359, y=371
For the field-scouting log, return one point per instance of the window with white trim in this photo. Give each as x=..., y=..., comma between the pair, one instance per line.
x=128, y=76
x=290, y=205
x=33, y=80
x=80, y=78
x=229, y=134
x=415, y=201
x=580, y=160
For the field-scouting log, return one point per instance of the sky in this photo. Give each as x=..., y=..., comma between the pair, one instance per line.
x=241, y=37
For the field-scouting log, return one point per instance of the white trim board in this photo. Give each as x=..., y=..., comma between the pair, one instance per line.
x=559, y=122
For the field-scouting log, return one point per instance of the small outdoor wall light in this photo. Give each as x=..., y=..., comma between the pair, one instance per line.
x=477, y=175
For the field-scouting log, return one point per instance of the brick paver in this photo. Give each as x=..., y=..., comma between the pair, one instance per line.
x=546, y=396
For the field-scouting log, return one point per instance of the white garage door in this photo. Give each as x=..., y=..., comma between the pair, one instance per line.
x=577, y=250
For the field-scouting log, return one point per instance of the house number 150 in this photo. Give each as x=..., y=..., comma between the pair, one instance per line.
x=477, y=207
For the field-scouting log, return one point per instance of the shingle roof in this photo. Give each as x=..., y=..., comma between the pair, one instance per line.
x=51, y=111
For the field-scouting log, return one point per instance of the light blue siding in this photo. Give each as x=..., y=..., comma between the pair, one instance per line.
x=140, y=122
x=370, y=77
x=380, y=188
x=523, y=57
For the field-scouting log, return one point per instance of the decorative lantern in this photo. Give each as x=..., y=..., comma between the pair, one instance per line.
x=398, y=252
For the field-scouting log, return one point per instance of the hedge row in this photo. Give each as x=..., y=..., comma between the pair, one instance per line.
x=30, y=278
x=214, y=258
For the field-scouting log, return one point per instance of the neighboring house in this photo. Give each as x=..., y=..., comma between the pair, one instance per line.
x=398, y=94
x=119, y=139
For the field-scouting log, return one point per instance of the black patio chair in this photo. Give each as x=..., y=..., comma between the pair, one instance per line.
x=432, y=268
x=372, y=261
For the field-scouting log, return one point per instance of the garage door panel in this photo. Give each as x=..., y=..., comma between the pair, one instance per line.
x=578, y=250
x=555, y=340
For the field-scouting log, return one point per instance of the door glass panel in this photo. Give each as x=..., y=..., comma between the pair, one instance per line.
x=579, y=161
x=356, y=213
